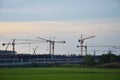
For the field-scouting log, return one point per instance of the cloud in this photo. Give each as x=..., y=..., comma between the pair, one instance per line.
x=52, y=27
x=106, y=32
x=58, y=10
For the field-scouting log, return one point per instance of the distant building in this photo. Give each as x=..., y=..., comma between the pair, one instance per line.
x=9, y=59
x=7, y=52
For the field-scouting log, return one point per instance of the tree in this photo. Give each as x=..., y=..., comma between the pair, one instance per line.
x=108, y=58
x=89, y=60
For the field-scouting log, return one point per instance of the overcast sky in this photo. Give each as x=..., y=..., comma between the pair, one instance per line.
x=63, y=19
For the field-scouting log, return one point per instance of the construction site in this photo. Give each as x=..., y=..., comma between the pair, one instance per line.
x=59, y=39
x=11, y=58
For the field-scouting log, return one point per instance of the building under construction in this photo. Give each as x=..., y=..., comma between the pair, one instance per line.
x=11, y=58
x=26, y=60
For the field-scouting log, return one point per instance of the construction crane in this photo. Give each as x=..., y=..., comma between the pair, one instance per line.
x=109, y=46
x=51, y=44
x=10, y=43
x=113, y=46
x=13, y=43
x=81, y=40
x=34, y=50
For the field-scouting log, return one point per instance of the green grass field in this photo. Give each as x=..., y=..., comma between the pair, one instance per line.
x=59, y=74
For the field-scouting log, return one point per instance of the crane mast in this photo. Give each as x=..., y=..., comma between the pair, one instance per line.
x=81, y=40
x=13, y=43
x=51, y=45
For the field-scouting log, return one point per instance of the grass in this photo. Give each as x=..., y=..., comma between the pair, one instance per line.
x=59, y=74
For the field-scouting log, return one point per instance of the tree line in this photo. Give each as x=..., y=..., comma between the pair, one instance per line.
x=108, y=60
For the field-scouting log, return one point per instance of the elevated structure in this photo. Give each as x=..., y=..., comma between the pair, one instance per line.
x=51, y=44
x=7, y=52
x=13, y=43
x=28, y=60
x=81, y=40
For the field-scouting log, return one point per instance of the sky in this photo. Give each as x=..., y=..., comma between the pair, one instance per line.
x=62, y=19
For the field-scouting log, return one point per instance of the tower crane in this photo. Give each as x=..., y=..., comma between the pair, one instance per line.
x=51, y=44
x=13, y=43
x=34, y=50
x=81, y=40
x=113, y=46
x=100, y=46
x=10, y=43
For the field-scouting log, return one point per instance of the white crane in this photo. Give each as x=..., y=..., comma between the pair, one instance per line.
x=81, y=40
x=51, y=44
x=26, y=41
x=10, y=43
x=34, y=50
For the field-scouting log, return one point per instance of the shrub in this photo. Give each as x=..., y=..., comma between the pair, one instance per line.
x=109, y=65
